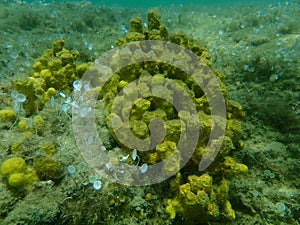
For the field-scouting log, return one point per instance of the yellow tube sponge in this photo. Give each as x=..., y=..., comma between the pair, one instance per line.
x=213, y=210
x=173, y=206
x=165, y=149
x=222, y=191
x=136, y=25
x=153, y=19
x=228, y=211
x=139, y=108
x=191, y=205
x=204, y=182
x=234, y=168
x=57, y=46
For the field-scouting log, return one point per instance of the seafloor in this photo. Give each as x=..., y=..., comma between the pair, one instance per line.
x=256, y=47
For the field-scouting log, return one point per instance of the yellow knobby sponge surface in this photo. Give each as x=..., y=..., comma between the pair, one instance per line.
x=13, y=165
x=7, y=114
x=17, y=180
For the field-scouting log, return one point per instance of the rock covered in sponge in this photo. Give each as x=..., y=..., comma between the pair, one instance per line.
x=196, y=197
x=17, y=173
x=200, y=198
x=47, y=169
x=55, y=70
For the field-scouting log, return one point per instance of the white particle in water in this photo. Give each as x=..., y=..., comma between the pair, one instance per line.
x=90, y=46
x=134, y=154
x=280, y=206
x=221, y=32
x=71, y=169
x=77, y=85
x=97, y=185
x=144, y=168
x=92, y=179
x=20, y=98
x=14, y=55
x=27, y=63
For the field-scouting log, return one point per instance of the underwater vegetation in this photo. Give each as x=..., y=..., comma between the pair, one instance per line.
x=254, y=179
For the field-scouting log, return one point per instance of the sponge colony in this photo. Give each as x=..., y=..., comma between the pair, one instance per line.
x=12, y=166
